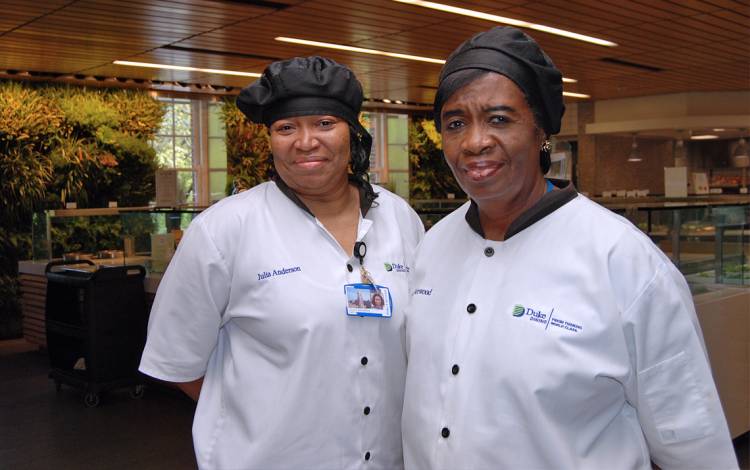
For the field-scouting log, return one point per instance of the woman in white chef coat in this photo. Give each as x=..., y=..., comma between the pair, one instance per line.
x=251, y=318
x=544, y=331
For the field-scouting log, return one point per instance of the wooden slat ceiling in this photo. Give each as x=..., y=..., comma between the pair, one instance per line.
x=696, y=45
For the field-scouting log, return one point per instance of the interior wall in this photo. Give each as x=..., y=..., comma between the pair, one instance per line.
x=710, y=154
x=614, y=172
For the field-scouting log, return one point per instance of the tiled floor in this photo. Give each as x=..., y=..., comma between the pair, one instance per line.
x=42, y=429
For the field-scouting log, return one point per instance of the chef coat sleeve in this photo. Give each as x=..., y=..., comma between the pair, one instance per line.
x=673, y=389
x=187, y=311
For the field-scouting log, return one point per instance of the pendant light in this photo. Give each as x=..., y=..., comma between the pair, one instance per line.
x=635, y=152
x=679, y=152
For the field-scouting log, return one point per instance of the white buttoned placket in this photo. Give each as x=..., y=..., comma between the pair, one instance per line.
x=472, y=315
x=362, y=357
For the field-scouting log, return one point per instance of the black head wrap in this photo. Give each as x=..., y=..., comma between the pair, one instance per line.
x=510, y=52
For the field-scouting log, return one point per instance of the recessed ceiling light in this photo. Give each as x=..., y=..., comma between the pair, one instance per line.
x=718, y=129
x=399, y=102
x=184, y=69
x=510, y=21
x=704, y=137
x=386, y=100
x=569, y=80
x=575, y=95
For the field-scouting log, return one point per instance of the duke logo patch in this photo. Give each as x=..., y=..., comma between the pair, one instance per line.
x=399, y=268
x=546, y=319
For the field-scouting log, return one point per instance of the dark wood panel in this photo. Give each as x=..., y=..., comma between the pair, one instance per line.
x=698, y=5
x=87, y=35
x=741, y=28
x=740, y=7
x=738, y=18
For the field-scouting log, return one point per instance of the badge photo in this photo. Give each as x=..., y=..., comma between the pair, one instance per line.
x=368, y=300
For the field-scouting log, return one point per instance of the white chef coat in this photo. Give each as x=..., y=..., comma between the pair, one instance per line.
x=254, y=300
x=573, y=344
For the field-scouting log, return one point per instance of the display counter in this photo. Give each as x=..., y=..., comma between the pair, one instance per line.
x=704, y=239
x=107, y=232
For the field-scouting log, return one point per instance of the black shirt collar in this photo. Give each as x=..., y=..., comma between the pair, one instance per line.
x=548, y=204
x=366, y=198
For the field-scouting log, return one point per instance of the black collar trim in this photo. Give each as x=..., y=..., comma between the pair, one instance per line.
x=548, y=204
x=366, y=194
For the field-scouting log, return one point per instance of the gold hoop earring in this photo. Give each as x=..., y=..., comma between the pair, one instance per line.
x=546, y=146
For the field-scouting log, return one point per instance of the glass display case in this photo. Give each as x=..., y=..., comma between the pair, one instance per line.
x=110, y=236
x=709, y=243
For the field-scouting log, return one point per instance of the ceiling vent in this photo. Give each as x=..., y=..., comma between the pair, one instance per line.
x=220, y=53
x=625, y=63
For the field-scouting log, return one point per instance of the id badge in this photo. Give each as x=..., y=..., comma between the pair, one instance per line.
x=368, y=300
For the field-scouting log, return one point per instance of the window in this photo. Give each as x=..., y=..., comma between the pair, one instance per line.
x=191, y=140
x=397, y=140
x=370, y=121
x=217, y=154
x=389, y=160
x=174, y=145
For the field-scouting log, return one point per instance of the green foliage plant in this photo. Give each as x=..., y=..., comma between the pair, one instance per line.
x=85, y=113
x=430, y=177
x=28, y=123
x=127, y=167
x=141, y=113
x=26, y=116
x=248, y=149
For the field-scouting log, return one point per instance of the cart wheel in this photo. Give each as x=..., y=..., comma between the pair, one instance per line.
x=91, y=400
x=137, y=391
x=58, y=386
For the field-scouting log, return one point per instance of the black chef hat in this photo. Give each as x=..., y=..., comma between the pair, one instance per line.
x=303, y=86
x=512, y=53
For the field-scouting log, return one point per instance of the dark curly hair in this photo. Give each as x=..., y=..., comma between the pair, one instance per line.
x=360, y=145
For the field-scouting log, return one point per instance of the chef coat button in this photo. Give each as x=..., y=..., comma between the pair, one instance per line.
x=471, y=308
x=363, y=361
x=455, y=369
x=489, y=251
x=367, y=455
x=445, y=432
x=349, y=267
x=367, y=410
